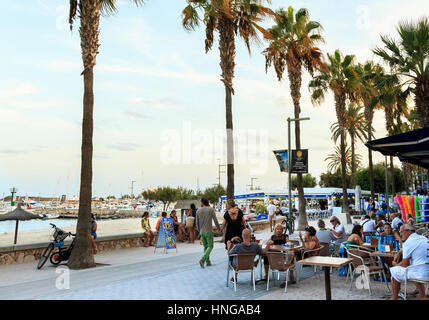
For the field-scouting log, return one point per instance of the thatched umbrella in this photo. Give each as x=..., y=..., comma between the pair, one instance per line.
x=19, y=215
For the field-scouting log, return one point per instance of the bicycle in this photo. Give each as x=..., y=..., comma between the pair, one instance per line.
x=62, y=254
x=289, y=224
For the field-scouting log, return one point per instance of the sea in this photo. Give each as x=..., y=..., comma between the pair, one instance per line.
x=9, y=226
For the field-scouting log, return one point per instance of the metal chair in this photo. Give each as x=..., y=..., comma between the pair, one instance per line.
x=279, y=262
x=318, y=251
x=425, y=282
x=360, y=264
x=244, y=263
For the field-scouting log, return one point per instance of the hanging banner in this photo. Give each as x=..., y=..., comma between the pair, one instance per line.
x=299, y=161
x=282, y=159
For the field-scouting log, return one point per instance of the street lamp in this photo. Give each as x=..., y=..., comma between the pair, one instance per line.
x=289, y=157
x=251, y=182
x=219, y=170
x=387, y=183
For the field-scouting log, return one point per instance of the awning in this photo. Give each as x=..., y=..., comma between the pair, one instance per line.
x=411, y=147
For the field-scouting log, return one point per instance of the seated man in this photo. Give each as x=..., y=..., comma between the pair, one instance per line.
x=245, y=247
x=163, y=215
x=414, y=251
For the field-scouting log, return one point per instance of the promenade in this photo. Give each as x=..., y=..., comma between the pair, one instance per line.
x=138, y=273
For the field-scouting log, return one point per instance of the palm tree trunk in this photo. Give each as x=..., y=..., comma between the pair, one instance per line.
x=369, y=115
x=340, y=108
x=352, y=179
x=295, y=79
x=82, y=256
x=405, y=173
x=421, y=98
x=227, y=64
x=343, y=172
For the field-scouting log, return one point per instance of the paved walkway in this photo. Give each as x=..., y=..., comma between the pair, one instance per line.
x=138, y=273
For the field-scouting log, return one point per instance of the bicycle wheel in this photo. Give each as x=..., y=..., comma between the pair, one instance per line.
x=55, y=258
x=45, y=255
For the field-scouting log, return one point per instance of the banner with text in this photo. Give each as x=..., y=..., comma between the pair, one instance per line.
x=299, y=161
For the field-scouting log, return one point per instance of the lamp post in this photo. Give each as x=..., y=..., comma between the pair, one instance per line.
x=251, y=182
x=289, y=153
x=387, y=182
x=219, y=170
x=132, y=189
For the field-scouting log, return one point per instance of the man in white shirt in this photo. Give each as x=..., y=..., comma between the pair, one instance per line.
x=284, y=210
x=338, y=230
x=414, y=253
x=271, y=208
x=397, y=222
x=368, y=224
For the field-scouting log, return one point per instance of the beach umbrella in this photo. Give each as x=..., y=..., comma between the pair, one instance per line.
x=18, y=214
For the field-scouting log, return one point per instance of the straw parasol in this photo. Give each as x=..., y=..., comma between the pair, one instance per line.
x=18, y=214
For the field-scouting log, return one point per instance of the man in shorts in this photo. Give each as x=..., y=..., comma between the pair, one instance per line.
x=414, y=253
x=271, y=208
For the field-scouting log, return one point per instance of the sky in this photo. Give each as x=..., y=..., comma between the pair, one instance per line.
x=159, y=113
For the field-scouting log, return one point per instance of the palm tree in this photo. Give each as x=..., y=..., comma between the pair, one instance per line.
x=356, y=129
x=394, y=103
x=342, y=80
x=228, y=18
x=89, y=12
x=409, y=57
x=293, y=45
x=334, y=159
x=367, y=95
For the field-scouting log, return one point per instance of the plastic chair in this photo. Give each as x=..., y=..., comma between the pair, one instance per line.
x=279, y=262
x=425, y=282
x=244, y=263
x=360, y=259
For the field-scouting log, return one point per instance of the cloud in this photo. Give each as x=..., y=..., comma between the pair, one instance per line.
x=134, y=115
x=12, y=151
x=121, y=146
x=163, y=103
x=17, y=89
x=160, y=73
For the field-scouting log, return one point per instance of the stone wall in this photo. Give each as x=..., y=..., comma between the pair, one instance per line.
x=32, y=252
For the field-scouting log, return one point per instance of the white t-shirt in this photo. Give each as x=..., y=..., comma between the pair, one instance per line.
x=416, y=247
x=284, y=210
x=396, y=222
x=376, y=205
x=343, y=237
x=271, y=209
x=368, y=225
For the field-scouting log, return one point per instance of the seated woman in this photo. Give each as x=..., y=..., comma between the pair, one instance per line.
x=178, y=227
x=146, y=230
x=356, y=236
x=278, y=238
x=310, y=242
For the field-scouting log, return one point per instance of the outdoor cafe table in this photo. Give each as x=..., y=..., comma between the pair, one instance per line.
x=326, y=263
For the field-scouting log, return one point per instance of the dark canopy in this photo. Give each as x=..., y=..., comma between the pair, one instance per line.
x=412, y=147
